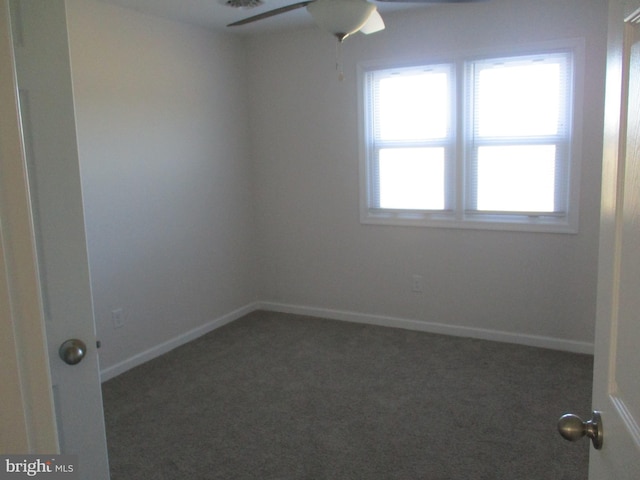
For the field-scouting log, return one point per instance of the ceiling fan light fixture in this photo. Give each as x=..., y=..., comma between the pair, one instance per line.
x=341, y=17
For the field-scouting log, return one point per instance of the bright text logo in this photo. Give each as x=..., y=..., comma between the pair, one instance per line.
x=50, y=467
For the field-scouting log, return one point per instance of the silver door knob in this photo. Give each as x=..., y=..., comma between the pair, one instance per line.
x=573, y=428
x=72, y=351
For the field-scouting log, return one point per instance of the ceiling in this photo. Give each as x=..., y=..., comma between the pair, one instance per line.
x=214, y=14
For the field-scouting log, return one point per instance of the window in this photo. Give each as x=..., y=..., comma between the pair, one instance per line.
x=480, y=143
x=412, y=137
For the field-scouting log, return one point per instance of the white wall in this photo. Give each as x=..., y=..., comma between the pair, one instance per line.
x=315, y=253
x=161, y=115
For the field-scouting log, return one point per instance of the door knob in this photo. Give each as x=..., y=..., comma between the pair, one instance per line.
x=573, y=428
x=72, y=351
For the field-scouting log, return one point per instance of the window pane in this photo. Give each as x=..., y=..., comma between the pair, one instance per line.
x=516, y=178
x=519, y=99
x=412, y=178
x=413, y=106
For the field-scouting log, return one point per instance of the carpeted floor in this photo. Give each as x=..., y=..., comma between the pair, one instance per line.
x=275, y=396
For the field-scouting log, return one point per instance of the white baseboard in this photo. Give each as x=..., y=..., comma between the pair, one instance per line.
x=430, y=327
x=156, y=351
x=370, y=319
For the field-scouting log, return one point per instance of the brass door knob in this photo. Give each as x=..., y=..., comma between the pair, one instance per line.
x=573, y=428
x=72, y=351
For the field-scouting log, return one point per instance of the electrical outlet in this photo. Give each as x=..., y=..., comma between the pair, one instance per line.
x=417, y=284
x=117, y=317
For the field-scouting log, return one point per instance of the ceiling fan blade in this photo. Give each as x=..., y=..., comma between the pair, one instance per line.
x=432, y=1
x=271, y=13
x=374, y=24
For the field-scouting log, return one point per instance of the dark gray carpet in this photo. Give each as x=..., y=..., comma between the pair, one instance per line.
x=274, y=396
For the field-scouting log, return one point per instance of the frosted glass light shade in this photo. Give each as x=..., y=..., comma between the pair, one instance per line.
x=341, y=17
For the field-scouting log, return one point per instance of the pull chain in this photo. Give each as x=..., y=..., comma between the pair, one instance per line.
x=339, y=68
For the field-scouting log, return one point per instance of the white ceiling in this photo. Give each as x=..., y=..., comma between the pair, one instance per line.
x=216, y=15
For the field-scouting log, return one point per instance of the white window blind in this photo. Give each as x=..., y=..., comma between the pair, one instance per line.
x=520, y=123
x=410, y=110
x=471, y=143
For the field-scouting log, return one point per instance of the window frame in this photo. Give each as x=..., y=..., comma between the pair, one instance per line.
x=456, y=214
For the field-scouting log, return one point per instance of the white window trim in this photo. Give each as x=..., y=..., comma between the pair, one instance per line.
x=458, y=218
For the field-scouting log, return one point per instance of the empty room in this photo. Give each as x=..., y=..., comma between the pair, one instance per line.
x=316, y=257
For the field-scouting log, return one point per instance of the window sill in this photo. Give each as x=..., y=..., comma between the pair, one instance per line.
x=449, y=219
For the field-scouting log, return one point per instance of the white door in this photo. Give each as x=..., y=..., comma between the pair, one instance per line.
x=41, y=54
x=616, y=391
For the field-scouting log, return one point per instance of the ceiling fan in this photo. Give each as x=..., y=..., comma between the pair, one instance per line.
x=339, y=17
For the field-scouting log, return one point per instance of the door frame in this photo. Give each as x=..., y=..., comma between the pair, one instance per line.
x=28, y=413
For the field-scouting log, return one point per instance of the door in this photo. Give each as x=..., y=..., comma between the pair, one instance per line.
x=616, y=391
x=45, y=96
